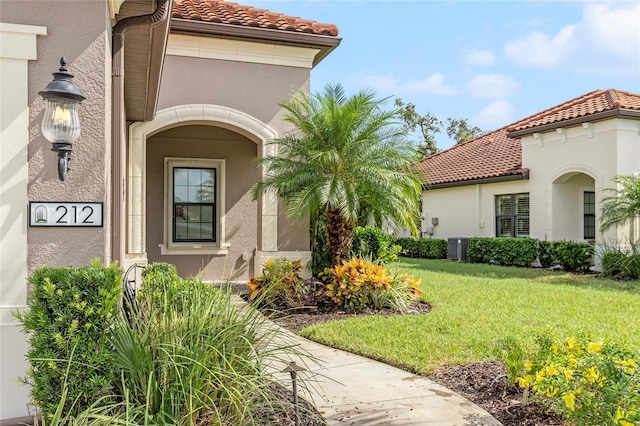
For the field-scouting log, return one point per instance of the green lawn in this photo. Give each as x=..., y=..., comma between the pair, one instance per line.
x=475, y=306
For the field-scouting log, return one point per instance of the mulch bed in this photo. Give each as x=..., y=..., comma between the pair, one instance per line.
x=483, y=383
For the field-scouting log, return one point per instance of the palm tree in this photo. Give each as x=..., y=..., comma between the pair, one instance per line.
x=623, y=204
x=346, y=155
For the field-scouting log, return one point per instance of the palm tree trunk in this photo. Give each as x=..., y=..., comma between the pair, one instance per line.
x=339, y=236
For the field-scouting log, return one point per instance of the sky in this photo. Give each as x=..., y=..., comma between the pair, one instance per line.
x=490, y=62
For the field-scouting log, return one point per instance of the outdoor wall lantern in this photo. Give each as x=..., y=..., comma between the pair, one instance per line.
x=61, y=124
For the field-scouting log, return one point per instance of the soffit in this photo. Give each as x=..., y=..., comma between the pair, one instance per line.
x=222, y=19
x=144, y=48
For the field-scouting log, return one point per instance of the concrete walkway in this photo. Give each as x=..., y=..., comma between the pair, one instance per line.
x=353, y=390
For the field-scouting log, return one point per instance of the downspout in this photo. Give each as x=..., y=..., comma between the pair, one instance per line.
x=119, y=126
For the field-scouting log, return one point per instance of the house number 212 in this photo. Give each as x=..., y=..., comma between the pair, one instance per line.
x=44, y=213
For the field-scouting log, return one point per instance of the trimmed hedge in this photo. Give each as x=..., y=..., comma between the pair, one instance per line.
x=503, y=251
x=426, y=248
x=373, y=243
x=574, y=256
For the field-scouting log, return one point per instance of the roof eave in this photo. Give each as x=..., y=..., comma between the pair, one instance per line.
x=603, y=115
x=494, y=179
x=326, y=44
x=156, y=65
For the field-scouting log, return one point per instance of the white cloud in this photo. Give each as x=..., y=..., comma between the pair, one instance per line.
x=492, y=86
x=495, y=115
x=606, y=40
x=390, y=84
x=541, y=50
x=615, y=30
x=478, y=58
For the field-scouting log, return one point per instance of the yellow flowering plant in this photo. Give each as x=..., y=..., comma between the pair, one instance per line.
x=587, y=382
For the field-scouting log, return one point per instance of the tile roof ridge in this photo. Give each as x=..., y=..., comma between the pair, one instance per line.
x=482, y=136
x=567, y=104
x=232, y=13
x=616, y=100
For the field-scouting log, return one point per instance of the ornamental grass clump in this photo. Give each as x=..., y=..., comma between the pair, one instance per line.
x=358, y=284
x=193, y=356
x=587, y=382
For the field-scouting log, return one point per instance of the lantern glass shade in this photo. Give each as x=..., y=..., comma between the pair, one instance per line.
x=61, y=123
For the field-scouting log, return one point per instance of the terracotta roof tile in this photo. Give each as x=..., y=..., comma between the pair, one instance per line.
x=497, y=155
x=590, y=103
x=219, y=11
x=487, y=156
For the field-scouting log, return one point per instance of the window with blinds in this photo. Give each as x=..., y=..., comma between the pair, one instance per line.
x=589, y=215
x=512, y=215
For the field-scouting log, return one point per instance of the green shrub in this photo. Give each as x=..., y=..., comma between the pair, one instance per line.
x=69, y=320
x=503, y=251
x=616, y=261
x=510, y=352
x=425, y=248
x=613, y=262
x=547, y=254
x=574, y=256
x=587, y=382
x=373, y=243
x=279, y=285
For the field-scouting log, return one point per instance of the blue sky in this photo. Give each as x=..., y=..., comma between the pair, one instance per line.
x=491, y=62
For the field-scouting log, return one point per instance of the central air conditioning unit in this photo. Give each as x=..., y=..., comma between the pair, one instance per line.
x=457, y=249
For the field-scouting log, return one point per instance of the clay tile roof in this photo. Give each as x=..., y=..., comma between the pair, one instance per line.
x=491, y=155
x=496, y=155
x=219, y=11
x=588, y=104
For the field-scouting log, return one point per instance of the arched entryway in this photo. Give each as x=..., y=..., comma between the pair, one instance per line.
x=574, y=207
x=200, y=137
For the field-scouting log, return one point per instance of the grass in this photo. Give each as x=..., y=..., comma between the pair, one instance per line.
x=475, y=307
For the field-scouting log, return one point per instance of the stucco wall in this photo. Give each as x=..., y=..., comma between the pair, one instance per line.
x=241, y=212
x=80, y=32
x=466, y=211
x=599, y=150
x=562, y=166
x=253, y=88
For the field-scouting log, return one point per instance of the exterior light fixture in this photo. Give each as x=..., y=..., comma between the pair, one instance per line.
x=293, y=369
x=61, y=124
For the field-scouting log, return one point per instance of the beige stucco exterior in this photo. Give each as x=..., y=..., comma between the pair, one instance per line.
x=563, y=163
x=32, y=41
x=218, y=101
x=203, y=115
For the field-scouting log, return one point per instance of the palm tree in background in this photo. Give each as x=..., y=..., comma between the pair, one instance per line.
x=346, y=156
x=623, y=203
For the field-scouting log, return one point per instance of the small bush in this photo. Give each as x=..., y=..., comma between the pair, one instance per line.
x=280, y=284
x=373, y=243
x=613, y=262
x=503, y=251
x=547, y=254
x=69, y=320
x=509, y=351
x=587, y=382
x=574, y=256
x=358, y=284
x=616, y=262
x=425, y=248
